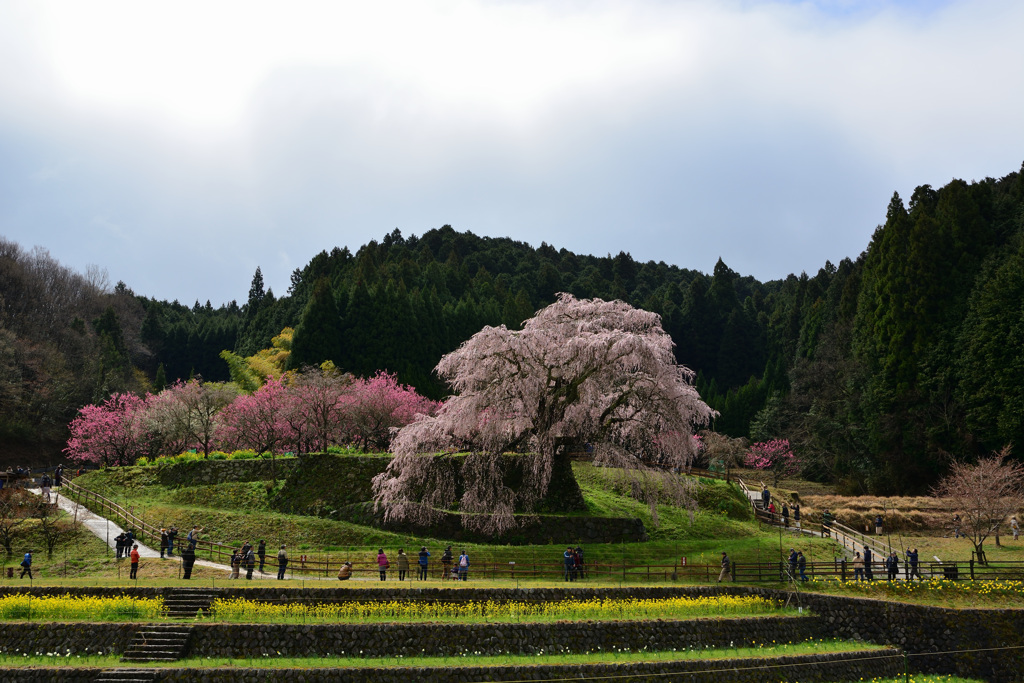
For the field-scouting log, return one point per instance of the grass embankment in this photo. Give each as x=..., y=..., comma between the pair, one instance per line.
x=81, y=555
x=539, y=658
x=234, y=512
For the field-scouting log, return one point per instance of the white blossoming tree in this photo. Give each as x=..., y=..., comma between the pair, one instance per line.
x=580, y=374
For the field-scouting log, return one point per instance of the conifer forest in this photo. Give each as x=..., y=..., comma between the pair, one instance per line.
x=881, y=370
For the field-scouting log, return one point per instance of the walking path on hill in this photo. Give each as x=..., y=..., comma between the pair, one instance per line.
x=847, y=538
x=106, y=530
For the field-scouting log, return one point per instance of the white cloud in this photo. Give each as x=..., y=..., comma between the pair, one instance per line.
x=769, y=133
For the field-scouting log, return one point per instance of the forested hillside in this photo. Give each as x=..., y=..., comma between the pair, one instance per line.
x=877, y=369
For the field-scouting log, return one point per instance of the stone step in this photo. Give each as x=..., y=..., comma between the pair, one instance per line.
x=157, y=644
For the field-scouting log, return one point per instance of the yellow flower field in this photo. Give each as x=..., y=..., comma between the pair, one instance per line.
x=252, y=611
x=74, y=608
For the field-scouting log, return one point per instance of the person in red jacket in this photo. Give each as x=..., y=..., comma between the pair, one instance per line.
x=135, y=561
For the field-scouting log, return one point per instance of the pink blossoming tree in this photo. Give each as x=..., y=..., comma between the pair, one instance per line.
x=114, y=432
x=579, y=372
x=774, y=457
x=376, y=407
x=258, y=420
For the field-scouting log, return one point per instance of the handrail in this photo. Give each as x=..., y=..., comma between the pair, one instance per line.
x=875, y=543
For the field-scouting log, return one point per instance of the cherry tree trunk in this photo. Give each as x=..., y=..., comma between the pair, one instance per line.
x=564, y=494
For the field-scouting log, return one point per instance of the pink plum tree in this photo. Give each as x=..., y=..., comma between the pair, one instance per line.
x=114, y=432
x=186, y=413
x=315, y=411
x=775, y=457
x=258, y=420
x=579, y=372
x=375, y=407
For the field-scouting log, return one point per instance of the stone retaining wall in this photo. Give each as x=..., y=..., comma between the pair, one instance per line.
x=918, y=629
x=826, y=667
x=241, y=641
x=206, y=472
x=43, y=637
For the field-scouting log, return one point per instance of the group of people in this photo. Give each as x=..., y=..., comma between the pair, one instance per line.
x=573, y=559
x=863, y=565
x=246, y=557
x=784, y=514
x=450, y=568
x=797, y=565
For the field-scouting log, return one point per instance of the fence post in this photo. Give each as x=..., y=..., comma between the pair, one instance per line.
x=972, y=568
x=842, y=568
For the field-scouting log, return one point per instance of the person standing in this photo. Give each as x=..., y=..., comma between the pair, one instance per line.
x=26, y=566
x=282, y=562
x=193, y=537
x=236, y=563
x=878, y=525
x=892, y=566
x=726, y=566
x=188, y=560
x=570, y=564
x=45, y=484
x=956, y=526
x=796, y=515
x=858, y=567
x=261, y=552
x=766, y=497
x=134, y=556
x=578, y=554
x=250, y=563
x=1015, y=528
x=382, y=564
x=464, y=565
x=163, y=542
x=785, y=516
x=801, y=563
x=172, y=534
x=403, y=564
x=58, y=476
x=119, y=544
x=912, y=560
x=446, y=563
x=424, y=560
x=793, y=559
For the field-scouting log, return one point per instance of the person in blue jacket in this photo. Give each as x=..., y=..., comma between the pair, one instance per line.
x=424, y=560
x=26, y=565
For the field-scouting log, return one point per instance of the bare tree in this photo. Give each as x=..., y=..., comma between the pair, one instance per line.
x=723, y=452
x=984, y=494
x=56, y=528
x=16, y=506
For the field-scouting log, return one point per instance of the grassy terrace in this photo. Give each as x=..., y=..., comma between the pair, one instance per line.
x=233, y=512
x=354, y=660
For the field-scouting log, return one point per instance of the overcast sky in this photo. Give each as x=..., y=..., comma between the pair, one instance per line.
x=180, y=145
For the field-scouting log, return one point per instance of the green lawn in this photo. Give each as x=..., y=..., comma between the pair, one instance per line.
x=232, y=513
x=540, y=658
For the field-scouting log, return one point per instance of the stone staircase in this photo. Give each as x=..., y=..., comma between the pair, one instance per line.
x=127, y=676
x=158, y=643
x=188, y=603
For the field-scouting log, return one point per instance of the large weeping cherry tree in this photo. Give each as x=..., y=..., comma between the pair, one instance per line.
x=580, y=374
